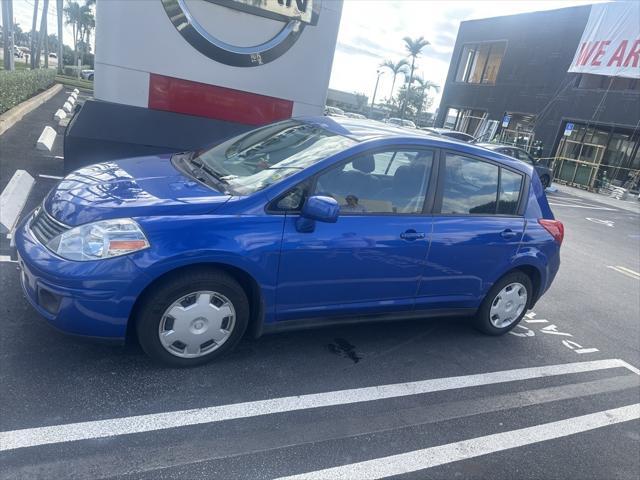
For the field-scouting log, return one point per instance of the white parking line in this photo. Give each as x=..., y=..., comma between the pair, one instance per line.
x=7, y=259
x=52, y=177
x=159, y=421
x=475, y=447
x=625, y=271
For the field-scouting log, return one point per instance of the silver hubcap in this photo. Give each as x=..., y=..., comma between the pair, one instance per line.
x=197, y=324
x=508, y=305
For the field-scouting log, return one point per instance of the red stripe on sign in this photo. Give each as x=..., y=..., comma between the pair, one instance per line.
x=204, y=100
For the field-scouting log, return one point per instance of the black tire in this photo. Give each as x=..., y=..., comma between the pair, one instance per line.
x=156, y=303
x=90, y=77
x=482, y=320
x=546, y=181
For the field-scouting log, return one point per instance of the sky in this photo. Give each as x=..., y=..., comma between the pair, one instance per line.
x=23, y=15
x=371, y=31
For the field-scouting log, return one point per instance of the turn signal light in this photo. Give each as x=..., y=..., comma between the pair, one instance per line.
x=126, y=245
x=554, y=227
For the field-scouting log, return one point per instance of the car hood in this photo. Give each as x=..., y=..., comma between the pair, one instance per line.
x=134, y=187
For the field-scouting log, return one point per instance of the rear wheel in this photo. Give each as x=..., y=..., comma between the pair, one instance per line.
x=193, y=318
x=505, y=304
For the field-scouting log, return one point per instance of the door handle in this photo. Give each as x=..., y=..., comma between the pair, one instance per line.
x=508, y=233
x=412, y=235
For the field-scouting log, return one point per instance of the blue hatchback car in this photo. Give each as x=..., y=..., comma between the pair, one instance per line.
x=300, y=223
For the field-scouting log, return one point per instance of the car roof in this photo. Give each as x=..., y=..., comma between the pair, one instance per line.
x=362, y=130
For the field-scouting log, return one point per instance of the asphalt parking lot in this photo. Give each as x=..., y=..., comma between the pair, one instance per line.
x=559, y=397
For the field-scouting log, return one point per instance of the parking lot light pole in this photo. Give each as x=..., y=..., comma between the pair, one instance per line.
x=375, y=90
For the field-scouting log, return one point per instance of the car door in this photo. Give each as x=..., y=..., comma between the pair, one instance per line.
x=372, y=258
x=477, y=229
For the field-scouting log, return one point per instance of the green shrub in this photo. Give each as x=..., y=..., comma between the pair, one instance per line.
x=19, y=85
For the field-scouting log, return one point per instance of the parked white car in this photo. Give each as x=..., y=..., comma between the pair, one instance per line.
x=87, y=74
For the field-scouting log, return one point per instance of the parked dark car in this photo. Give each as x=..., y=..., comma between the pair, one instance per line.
x=544, y=172
x=445, y=132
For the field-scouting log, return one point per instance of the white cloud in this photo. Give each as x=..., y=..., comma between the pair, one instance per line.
x=371, y=31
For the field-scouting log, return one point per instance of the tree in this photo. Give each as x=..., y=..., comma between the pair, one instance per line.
x=396, y=68
x=422, y=88
x=42, y=35
x=59, y=14
x=72, y=14
x=8, y=34
x=414, y=48
x=82, y=22
x=34, y=23
x=87, y=24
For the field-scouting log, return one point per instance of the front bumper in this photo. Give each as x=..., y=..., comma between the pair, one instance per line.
x=91, y=299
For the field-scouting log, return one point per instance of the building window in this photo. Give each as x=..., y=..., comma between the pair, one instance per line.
x=479, y=63
x=465, y=120
x=600, y=82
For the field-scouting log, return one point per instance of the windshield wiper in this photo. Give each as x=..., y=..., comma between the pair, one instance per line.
x=219, y=180
x=203, y=167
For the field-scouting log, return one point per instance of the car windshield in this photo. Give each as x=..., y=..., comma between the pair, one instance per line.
x=254, y=160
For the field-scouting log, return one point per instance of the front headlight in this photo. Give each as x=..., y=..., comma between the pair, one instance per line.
x=99, y=240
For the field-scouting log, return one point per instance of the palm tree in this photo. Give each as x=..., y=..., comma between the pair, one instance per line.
x=8, y=33
x=423, y=86
x=34, y=23
x=87, y=24
x=396, y=68
x=414, y=48
x=42, y=36
x=59, y=13
x=73, y=15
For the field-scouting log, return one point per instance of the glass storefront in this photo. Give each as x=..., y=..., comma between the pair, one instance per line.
x=465, y=120
x=597, y=156
x=519, y=131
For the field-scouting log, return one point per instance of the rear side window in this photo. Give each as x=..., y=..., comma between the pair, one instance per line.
x=510, y=187
x=470, y=186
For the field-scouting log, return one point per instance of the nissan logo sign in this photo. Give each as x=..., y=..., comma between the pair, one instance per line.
x=294, y=15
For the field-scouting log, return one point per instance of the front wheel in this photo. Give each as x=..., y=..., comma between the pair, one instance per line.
x=505, y=304
x=193, y=318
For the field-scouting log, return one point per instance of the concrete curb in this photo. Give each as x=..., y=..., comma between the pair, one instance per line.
x=60, y=114
x=13, y=116
x=46, y=139
x=13, y=199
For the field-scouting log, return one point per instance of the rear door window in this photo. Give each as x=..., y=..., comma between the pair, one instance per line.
x=510, y=188
x=470, y=186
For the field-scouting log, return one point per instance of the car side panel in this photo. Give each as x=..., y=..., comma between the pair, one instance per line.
x=467, y=254
x=250, y=243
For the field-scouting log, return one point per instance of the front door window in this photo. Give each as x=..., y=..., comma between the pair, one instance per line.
x=384, y=182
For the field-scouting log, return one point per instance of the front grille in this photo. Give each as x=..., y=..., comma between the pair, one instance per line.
x=45, y=227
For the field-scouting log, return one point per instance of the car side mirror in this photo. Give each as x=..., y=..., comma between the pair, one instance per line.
x=317, y=208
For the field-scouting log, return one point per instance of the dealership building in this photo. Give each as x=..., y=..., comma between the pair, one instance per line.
x=564, y=84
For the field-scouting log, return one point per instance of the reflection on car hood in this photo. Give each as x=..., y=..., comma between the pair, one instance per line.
x=128, y=188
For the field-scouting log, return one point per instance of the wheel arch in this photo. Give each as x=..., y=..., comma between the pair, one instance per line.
x=248, y=283
x=534, y=274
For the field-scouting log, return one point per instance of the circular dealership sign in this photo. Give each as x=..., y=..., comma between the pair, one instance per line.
x=294, y=15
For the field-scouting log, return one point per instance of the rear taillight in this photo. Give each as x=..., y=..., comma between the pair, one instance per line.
x=554, y=227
